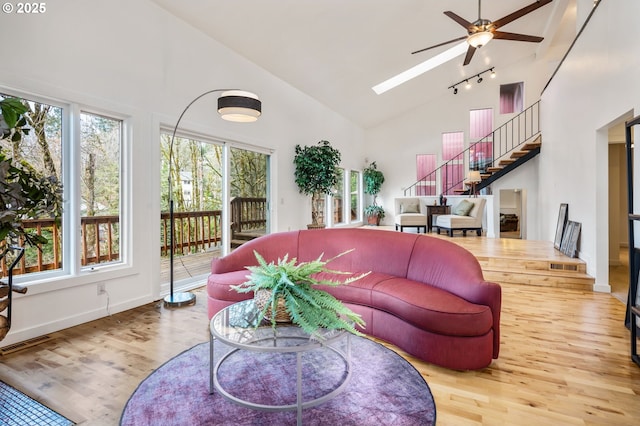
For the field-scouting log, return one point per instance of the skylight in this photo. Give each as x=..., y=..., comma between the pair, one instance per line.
x=421, y=68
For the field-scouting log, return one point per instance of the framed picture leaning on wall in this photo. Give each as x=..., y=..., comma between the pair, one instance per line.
x=562, y=224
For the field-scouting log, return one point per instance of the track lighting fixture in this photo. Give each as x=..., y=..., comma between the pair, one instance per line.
x=467, y=83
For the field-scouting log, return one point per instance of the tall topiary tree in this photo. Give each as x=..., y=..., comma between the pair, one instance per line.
x=316, y=174
x=373, y=180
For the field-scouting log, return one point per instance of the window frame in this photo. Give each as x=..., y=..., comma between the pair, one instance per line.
x=124, y=179
x=71, y=271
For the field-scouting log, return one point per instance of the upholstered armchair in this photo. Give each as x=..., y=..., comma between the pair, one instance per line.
x=411, y=213
x=465, y=216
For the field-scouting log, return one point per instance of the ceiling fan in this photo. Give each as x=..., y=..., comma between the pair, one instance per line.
x=482, y=31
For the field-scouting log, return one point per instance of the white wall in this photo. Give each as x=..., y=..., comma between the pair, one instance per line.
x=134, y=58
x=597, y=86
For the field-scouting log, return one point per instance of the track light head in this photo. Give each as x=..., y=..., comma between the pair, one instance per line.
x=479, y=79
x=455, y=90
x=493, y=73
x=467, y=85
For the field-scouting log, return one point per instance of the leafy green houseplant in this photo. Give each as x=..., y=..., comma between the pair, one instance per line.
x=373, y=180
x=293, y=284
x=24, y=193
x=316, y=175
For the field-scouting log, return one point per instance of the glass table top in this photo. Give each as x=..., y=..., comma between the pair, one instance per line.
x=237, y=325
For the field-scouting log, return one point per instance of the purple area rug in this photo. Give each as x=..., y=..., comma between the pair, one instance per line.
x=384, y=389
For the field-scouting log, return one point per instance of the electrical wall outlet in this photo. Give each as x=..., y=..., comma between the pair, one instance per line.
x=102, y=289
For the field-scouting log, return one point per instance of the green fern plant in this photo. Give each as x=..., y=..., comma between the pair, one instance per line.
x=309, y=308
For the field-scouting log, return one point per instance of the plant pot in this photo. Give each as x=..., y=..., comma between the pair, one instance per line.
x=263, y=298
x=373, y=220
x=4, y=326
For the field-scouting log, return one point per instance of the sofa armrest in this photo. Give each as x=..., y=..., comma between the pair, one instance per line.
x=488, y=294
x=452, y=268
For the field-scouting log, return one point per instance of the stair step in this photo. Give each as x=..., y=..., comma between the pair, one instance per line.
x=569, y=267
x=518, y=154
x=485, y=175
x=538, y=278
x=493, y=169
x=506, y=162
x=531, y=146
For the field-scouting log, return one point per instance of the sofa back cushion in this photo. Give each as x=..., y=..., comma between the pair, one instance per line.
x=374, y=250
x=407, y=205
x=445, y=265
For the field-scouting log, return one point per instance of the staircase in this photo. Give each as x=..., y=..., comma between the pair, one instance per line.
x=518, y=157
x=512, y=144
x=561, y=272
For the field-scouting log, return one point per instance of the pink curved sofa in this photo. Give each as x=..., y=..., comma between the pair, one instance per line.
x=425, y=295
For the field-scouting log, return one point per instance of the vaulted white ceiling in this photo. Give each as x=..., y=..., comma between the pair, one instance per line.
x=336, y=50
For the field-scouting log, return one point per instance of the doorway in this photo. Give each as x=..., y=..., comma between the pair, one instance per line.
x=511, y=213
x=220, y=192
x=618, y=232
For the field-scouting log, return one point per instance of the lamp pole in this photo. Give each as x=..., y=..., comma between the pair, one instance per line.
x=233, y=105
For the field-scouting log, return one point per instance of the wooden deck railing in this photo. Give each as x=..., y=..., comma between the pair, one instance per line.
x=248, y=214
x=100, y=235
x=195, y=231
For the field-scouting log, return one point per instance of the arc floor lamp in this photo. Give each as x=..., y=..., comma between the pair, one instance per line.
x=233, y=105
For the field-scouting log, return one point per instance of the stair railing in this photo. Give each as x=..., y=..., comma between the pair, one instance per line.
x=501, y=141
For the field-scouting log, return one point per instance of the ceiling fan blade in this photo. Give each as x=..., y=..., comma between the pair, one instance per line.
x=517, y=37
x=458, y=19
x=470, y=51
x=520, y=13
x=439, y=44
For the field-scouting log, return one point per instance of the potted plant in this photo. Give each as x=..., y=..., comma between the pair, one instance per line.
x=316, y=175
x=24, y=193
x=373, y=180
x=289, y=286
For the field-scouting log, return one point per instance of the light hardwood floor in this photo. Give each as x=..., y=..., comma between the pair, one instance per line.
x=564, y=360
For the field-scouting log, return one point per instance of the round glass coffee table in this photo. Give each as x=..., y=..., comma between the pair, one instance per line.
x=237, y=327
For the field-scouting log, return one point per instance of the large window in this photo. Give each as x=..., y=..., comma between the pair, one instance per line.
x=511, y=98
x=87, y=165
x=197, y=193
x=452, y=174
x=356, y=211
x=346, y=201
x=338, y=199
x=198, y=186
x=425, y=176
x=480, y=138
x=100, y=148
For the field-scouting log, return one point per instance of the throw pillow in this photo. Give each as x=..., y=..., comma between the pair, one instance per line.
x=410, y=207
x=463, y=208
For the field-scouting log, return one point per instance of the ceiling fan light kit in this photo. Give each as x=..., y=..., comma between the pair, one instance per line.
x=480, y=38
